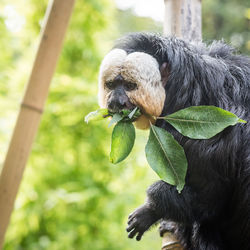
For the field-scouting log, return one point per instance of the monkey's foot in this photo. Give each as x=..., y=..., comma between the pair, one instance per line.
x=167, y=226
x=140, y=221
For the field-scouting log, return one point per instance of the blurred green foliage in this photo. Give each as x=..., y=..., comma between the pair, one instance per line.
x=71, y=197
x=228, y=20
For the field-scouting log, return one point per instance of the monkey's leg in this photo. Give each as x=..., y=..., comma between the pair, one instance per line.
x=182, y=233
x=193, y=232
x=167, y=226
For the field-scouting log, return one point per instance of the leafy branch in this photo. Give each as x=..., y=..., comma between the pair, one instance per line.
x=164, y=154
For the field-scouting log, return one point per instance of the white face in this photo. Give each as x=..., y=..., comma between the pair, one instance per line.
x=139, y=68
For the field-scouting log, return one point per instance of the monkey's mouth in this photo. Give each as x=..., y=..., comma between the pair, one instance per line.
x=142, y=120
x=130, y=113
x=116, y=107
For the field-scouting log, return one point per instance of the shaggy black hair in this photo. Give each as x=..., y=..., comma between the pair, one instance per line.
x=213, y=210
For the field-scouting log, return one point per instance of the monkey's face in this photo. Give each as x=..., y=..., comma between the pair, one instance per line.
x=131, y=80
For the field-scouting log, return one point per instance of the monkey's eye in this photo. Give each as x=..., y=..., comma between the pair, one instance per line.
x=129, y=86
x=109, y=85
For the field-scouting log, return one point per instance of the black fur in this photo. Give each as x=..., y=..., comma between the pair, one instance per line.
x=213, y=210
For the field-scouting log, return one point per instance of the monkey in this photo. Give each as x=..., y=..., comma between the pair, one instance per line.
x=162, y=75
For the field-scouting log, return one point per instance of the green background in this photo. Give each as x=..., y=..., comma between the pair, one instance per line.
x=71, y=197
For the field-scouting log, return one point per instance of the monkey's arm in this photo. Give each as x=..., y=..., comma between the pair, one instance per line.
x=163, y=202
x=169, y=204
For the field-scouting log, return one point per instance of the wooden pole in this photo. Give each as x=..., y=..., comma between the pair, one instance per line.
x=169, y=242
x=56, y=21
x=182, y=19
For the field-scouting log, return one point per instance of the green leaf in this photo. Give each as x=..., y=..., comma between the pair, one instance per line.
x=122, y=142
x=125, y=115
x=202, y=122
x=116, y=118
x=96, y=115
x=166, y=157
x=125, y=112
x=133, y=112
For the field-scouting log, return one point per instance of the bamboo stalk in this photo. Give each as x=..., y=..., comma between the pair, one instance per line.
x=182, y=19
x=56, y=21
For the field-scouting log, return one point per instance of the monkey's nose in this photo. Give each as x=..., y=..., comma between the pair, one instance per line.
x=116, y=106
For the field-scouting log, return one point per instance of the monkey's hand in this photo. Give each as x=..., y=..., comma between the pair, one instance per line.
x=140, y=221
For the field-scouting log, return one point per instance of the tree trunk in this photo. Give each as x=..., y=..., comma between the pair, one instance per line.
x=183, y=20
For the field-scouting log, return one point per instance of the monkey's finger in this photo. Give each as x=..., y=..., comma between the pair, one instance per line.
x=132, y=220
x=132, y=233
x=130, y=215
x=130, y=227
x=139, y=235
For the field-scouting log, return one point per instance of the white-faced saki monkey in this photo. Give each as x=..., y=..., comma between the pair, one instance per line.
x=162, y=75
